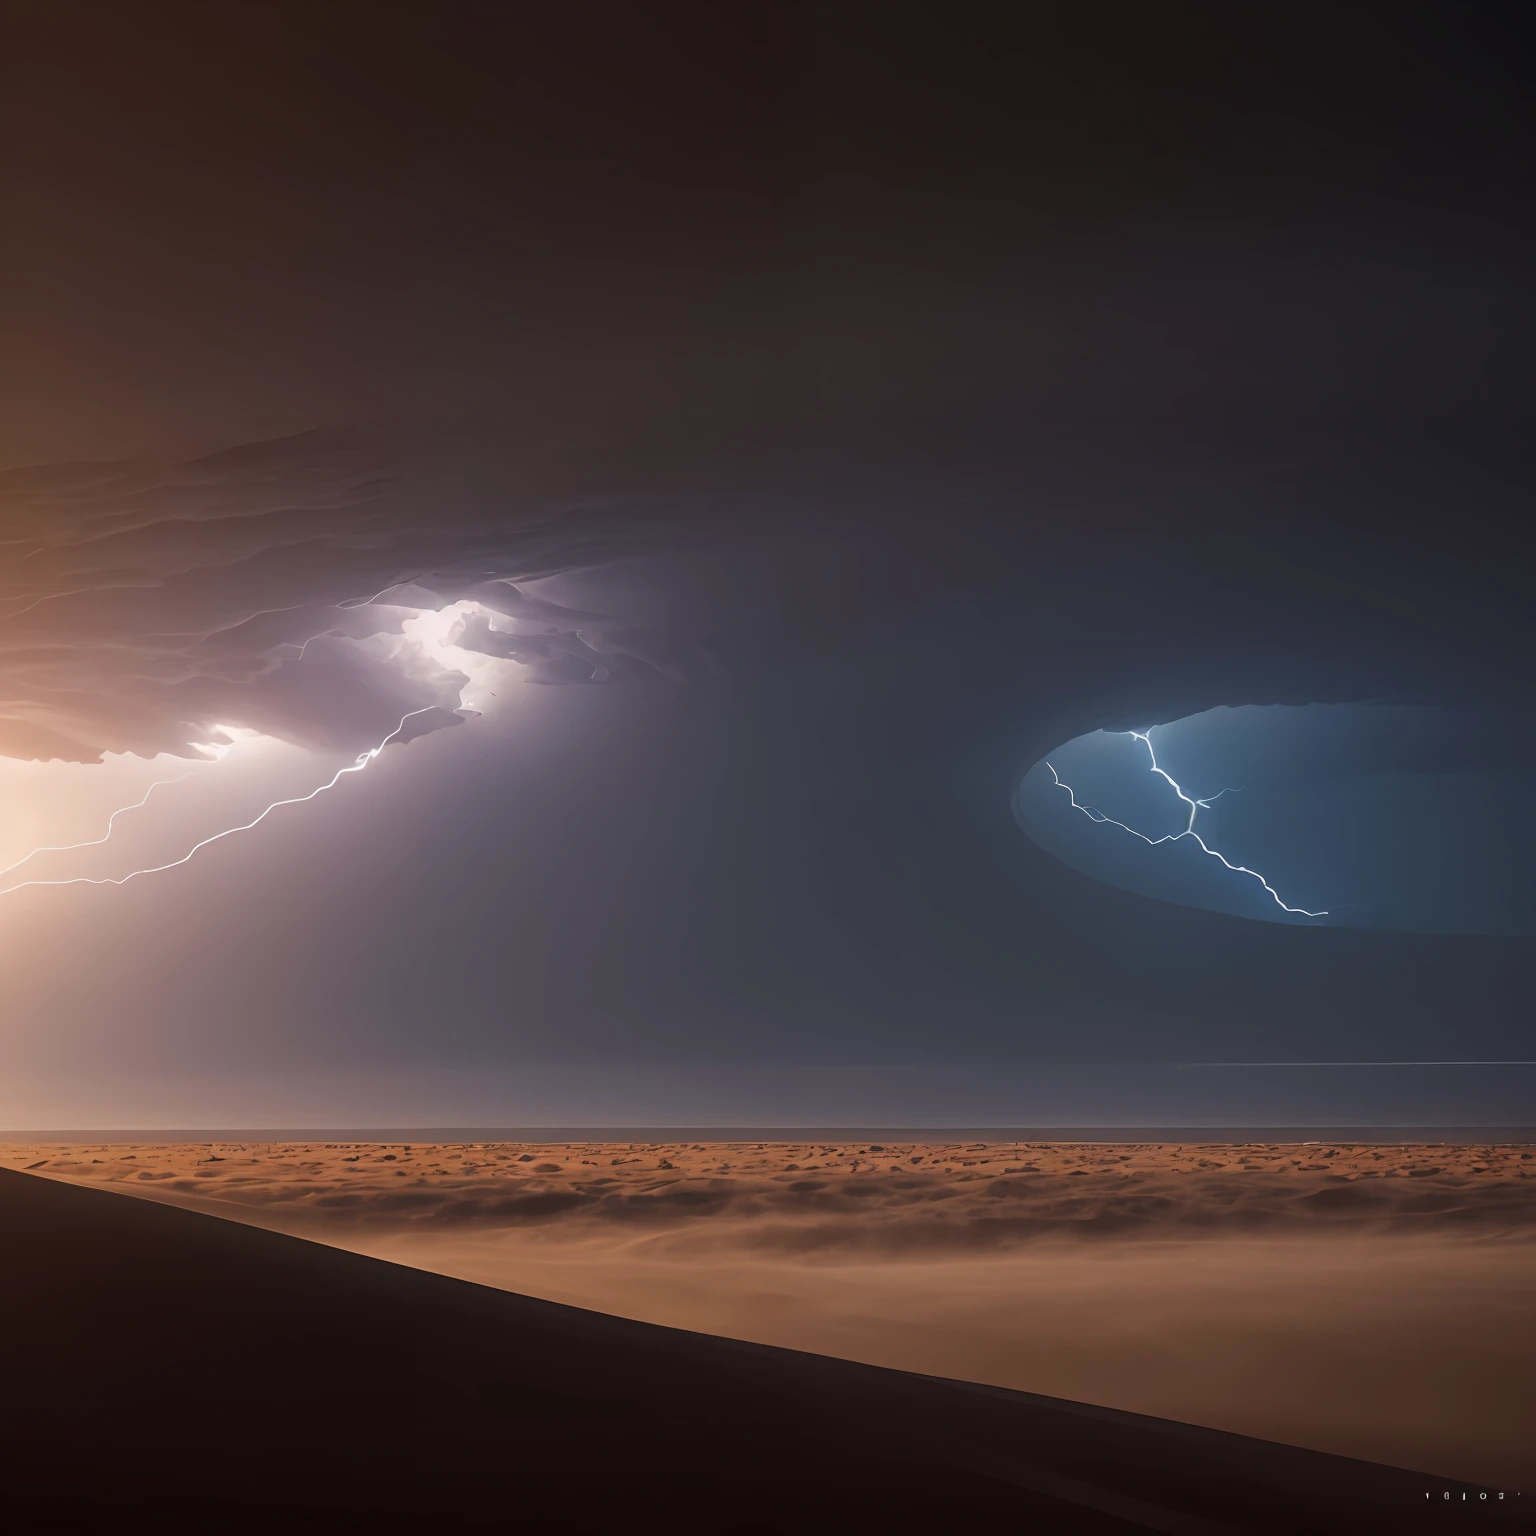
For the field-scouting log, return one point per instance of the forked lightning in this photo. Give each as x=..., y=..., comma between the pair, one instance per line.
x=1195, y=807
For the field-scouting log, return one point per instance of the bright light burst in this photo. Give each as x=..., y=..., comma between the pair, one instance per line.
x=435, y=633
x=430, y=633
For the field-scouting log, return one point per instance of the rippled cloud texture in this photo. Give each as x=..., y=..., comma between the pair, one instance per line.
x=145, y=607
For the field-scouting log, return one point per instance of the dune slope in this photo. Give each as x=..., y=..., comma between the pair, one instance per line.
x=158, y=1359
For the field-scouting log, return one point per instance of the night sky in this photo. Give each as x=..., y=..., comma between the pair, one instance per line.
x=865, y=402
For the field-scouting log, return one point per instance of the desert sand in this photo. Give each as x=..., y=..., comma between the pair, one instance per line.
x=1369, y=1301
x=205, y=1374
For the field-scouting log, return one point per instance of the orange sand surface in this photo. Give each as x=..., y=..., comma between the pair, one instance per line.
x=1367, y=1300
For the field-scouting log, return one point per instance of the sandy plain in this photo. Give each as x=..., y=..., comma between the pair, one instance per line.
x=1373, y=1301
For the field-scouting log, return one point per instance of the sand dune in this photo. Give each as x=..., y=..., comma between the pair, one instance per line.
x=1368, y=1301
x=208, y=1375
x=870, y=1198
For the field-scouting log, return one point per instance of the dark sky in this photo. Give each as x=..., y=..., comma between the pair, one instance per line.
x=671, y=230
x=910, y=389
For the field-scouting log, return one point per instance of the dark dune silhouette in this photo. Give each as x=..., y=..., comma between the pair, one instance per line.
x=166, y=1365
x=1369, y=1301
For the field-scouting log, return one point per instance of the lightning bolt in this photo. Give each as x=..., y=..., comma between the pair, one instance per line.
x=363, y=760
x=363, y=602
x=122, y=810
x=1195, y=807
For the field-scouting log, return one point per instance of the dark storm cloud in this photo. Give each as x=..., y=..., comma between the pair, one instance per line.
x=816, y=862
x=1082, y=371
x=145, y=605
x=595, y=655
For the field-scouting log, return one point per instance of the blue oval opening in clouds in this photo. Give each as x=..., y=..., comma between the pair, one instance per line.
x=1403, y=818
